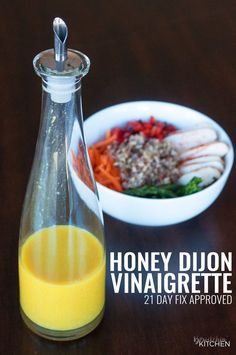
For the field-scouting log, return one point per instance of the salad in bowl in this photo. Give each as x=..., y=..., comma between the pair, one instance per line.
x=157, y=163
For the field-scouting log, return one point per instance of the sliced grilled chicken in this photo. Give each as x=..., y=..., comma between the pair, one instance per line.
x=203, y=159
x=207, y=174
x=184, y=140
x=184, y=169
x=215, y=148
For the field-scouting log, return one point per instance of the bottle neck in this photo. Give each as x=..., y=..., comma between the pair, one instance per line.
x=58, y=119
x=61, y=89
x=61, y=128
x=60, y=138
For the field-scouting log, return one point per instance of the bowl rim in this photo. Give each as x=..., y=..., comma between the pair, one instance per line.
x=225, y=174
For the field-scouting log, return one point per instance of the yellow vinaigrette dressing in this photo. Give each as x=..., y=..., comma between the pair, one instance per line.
x=62, y=277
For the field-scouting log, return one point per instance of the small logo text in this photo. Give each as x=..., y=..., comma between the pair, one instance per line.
x=212, y=342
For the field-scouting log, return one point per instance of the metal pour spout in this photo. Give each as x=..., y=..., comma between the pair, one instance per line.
x=60, y=37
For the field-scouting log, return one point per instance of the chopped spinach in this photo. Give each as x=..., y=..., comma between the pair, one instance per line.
x=167, y=190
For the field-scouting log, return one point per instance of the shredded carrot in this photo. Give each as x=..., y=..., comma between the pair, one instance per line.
x=105, y=172
x=81, y=169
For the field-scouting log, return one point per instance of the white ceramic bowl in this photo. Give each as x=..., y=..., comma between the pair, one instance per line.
x=155, y=212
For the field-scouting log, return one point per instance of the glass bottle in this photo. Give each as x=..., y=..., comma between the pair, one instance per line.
x=61, y=243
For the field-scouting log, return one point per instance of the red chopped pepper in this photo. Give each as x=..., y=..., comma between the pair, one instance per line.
x=150, y=129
